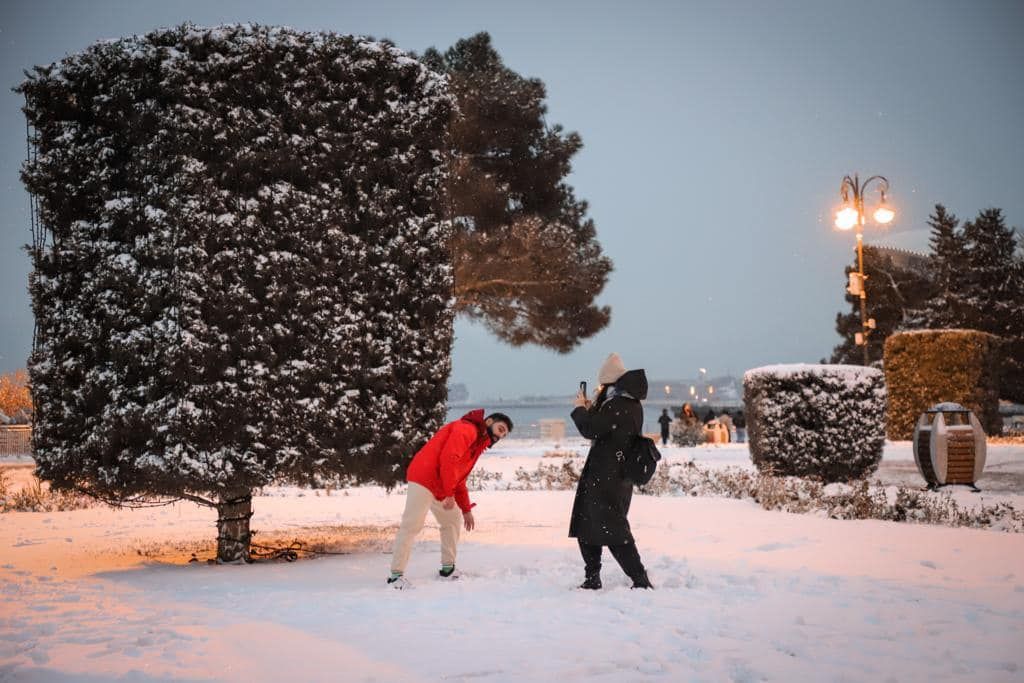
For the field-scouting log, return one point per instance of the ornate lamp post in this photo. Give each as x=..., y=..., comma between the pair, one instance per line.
x=852, y=215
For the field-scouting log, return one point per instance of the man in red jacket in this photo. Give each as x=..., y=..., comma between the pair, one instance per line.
x=437, y=482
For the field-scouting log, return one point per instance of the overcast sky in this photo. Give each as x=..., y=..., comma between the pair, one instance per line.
x=715, y=138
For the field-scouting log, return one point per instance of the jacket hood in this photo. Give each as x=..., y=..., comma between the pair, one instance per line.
x=634, y=382
x=476, y=417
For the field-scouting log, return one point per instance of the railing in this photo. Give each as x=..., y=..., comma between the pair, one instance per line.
x=15, y=440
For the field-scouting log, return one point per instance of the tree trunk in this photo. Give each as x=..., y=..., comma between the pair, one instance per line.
x=233, y=513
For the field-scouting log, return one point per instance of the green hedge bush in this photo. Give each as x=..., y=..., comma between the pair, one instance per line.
x=925, y=367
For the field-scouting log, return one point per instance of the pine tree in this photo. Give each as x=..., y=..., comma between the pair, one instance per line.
x=992, y=293
x=527, y=261
x=946, y=264
x=979, y=284
x=249, y=277
x=986, y=284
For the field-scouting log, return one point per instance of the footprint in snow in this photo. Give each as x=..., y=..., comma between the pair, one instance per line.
x=929, y=564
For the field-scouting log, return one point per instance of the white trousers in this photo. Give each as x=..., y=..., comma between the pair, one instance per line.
x=418, y=500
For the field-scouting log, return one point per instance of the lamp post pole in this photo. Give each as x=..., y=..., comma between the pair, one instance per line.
x=853, y=216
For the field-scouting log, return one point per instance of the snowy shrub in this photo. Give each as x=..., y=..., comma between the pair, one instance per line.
x=243, y=276
x=926, y=367
x=687, y=433
x=857, y=499
x=479, y=478
x=822, y=421
x=36, y=496
x=549, y=477
x=560, y=453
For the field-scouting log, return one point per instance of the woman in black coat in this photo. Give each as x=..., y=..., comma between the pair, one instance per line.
x=603, y=494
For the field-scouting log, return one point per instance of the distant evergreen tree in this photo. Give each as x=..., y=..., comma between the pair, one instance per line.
x=947, y=263
x=893, y=293
x=249, y=277
x=527, y=260
x=992, y=292
x=986, y=285
x=978, y=276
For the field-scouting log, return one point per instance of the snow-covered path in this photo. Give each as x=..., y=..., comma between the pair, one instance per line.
x=742, y=594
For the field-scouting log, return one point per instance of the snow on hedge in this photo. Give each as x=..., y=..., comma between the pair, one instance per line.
x=825, y=421
x=248, y=277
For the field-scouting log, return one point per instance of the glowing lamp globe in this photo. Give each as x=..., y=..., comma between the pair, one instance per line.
x=884, y=214
x=846, y=218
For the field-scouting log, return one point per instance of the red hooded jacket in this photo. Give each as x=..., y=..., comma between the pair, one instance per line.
x=443, y=464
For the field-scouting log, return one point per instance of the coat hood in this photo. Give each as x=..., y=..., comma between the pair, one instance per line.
x=476, y=417
x=633, y=382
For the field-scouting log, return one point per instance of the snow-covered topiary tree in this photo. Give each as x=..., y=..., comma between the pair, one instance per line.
x=824, y=421
x=243, y=276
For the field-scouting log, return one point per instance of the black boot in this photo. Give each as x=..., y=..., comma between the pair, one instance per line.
x=591, y=566
x=629, y=559
x=641, y=581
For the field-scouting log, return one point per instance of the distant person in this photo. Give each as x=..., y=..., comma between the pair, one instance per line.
x=726, y=422
x=603, y=495
x=665, y=422
x=740, y=422
x=710, y=416
x=687, y=415
x=437, y=482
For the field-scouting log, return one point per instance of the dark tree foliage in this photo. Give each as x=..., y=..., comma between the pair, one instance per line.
x=947, y=266
x=975, y=281
x=893, y=293
x=247, y=277
x=979, y=285
x=991, y=292
x=527, y=260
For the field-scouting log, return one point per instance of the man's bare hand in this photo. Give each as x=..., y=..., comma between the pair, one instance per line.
x=467, y=519
x=448, y=503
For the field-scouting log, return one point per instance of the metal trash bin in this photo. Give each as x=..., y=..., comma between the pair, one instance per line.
x=949, y=445
x=715, y=432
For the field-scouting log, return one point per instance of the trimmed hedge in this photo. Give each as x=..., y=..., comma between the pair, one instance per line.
x=822, y=421
x=925, y=367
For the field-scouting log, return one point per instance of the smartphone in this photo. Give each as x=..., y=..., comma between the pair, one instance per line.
x=583, y=389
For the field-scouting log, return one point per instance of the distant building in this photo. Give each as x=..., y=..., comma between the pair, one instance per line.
x=905, y=258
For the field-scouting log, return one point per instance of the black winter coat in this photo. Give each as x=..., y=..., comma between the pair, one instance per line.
x=603, y=495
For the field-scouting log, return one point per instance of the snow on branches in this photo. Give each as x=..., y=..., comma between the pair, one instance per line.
x=825, y=421
x=249, y=279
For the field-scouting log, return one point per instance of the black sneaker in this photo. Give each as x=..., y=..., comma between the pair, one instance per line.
x=592, y=583
x=449, y=573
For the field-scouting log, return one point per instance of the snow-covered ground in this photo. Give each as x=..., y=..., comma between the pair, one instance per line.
x=742, y=594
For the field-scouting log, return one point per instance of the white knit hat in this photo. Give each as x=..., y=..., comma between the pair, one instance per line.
x=611, y=370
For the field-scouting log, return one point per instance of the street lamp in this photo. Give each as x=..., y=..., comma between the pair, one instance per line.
x=852, y=215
